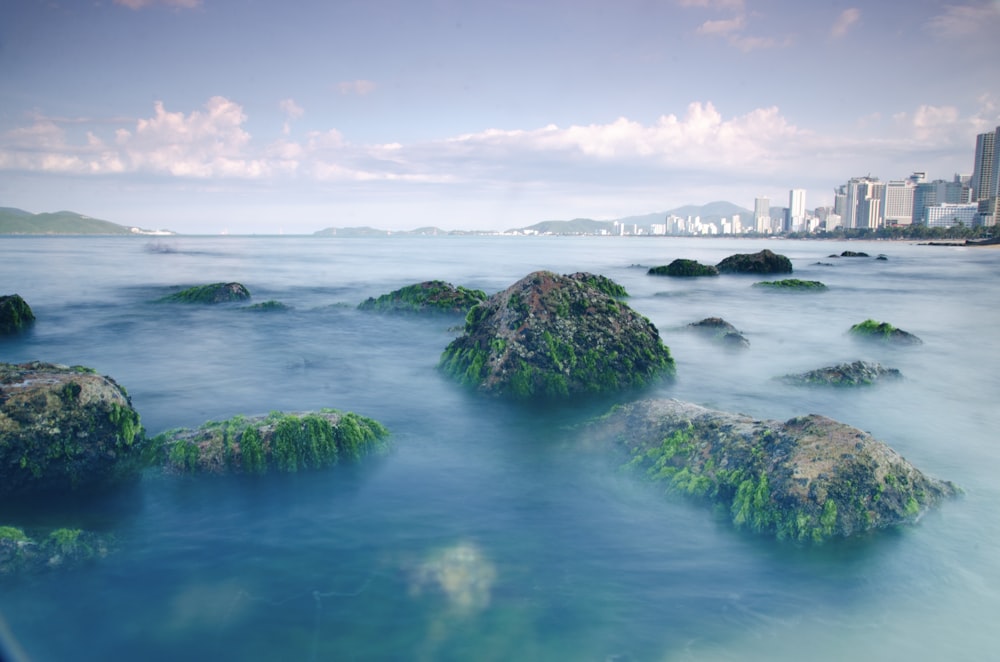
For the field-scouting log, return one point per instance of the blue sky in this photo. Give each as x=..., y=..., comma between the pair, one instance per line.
x=259, y=116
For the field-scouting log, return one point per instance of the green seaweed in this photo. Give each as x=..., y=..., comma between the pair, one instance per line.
x=791, y=284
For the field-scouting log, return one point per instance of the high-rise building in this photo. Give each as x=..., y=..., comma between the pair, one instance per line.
x=796, y=214
x=762, y=215
x=897, y=202
x=863, y=203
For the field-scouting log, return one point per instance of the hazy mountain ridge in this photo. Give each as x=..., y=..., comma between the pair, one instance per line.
x=19, y=221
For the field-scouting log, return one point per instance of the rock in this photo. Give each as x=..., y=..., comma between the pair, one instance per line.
x=64, y=429
x=791, y=284
x=269, y=306
x=764, y=262
x=720, y=331
x=15, y=314
x=858, y=373
x=429, y=296
x=276, y=442
x=850, y=254
x=602, y=283
x=882, y=257
x=883, y=332
x=807, y=479
x=685, y=269
x=214, y=293
x=61, y=548
x=555, y=337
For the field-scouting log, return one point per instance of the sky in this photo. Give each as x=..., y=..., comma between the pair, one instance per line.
x=267, y=116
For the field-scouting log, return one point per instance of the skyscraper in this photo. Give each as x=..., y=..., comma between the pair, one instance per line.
x=762, y=215
x=897, y=202
x=796, y=210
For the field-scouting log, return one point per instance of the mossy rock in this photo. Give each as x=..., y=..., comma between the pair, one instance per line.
x=851, y=254
x=682, y=268
x=15, y=314
x=21, y=554
x=601, y=283
x=808, y=479
x=793, y=284
x=555, y=337
x=883, y=332
x=434, y=296
x=65, y=428
x=720, y=331
x=276, y=442
x=209, y=294
x=858, y=373
x=763, y=262
x=270, y=306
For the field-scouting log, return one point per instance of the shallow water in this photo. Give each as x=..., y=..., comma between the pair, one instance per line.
x=487, y=534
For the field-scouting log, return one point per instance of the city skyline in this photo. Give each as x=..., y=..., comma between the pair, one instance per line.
x=205, y=115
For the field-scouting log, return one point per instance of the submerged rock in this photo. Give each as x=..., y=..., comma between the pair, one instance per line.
x=555, y=337
x=15, y=314
x=858, y=373
x=65, y=428
x=276, y=442
x=429, y=296
x=883, y=332
x=764, y=262
x=794, y=284
x=807, y=479
x=269, y=306
x=719, y=330
x=851, y=254
x=684, y=269
x=214, y=293
x=60, y=548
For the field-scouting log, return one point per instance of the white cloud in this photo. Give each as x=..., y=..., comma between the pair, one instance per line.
x=358, y=87
x=843, y=24
x=721, y=27
x=967, y=20
x=292, y=111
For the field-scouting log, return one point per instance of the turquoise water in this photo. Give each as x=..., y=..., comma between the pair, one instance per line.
x=488, y=533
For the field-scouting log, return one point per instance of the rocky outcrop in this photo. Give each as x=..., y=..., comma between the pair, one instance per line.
x=883, y=332
x=555, y=337
x=851, y=254
x=807, y=479
x=858, y=373
x=64, y=429
x=764, y=262
x=791, y=284
x=599, y=282
x=15, y=314
x=435, y=296
x=684, y=269
x=276, y=442
x=720, y=331
x=214, y=293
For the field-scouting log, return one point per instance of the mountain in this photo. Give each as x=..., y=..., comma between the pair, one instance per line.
x=18, y=221
x=576, y=226
x=711, y=212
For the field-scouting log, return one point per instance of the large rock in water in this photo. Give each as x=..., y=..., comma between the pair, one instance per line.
x=807, y=479
x=15, y=314
x=213, y=293
x=432, y=296
x=64, y=429
x=276, y=442
x=764, y=262
x=858, y=373
x=555, y=337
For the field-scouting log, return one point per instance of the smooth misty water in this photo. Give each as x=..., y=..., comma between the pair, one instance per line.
x=486, y=534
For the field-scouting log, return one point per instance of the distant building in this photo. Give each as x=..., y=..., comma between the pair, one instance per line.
x=897, y=202
x=796, y=214
x=862, y=203
x=948, y=215
x=762, y=215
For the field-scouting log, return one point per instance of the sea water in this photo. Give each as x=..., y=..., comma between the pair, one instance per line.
x=488, y=533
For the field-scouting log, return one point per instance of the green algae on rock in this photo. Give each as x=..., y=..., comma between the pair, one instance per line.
x=209, y=294
x=883, y=332
x=428, y=296
x=555, y=337
x=276, y=442
x=808, y=479
x=719, y=330
x=763, y=262
x=21, y=554
x=682, y=268
x=791, y=284
x=65, y=428
x=858, y=373
x=15, y=314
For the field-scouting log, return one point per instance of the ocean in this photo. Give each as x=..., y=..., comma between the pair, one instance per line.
x=488, y=533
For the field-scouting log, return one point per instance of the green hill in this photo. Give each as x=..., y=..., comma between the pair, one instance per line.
x=18, y=221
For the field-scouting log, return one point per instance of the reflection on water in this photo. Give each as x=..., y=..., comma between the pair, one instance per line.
x=489, y=533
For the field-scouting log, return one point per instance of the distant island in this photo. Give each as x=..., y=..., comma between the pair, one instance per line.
x=18, y=221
